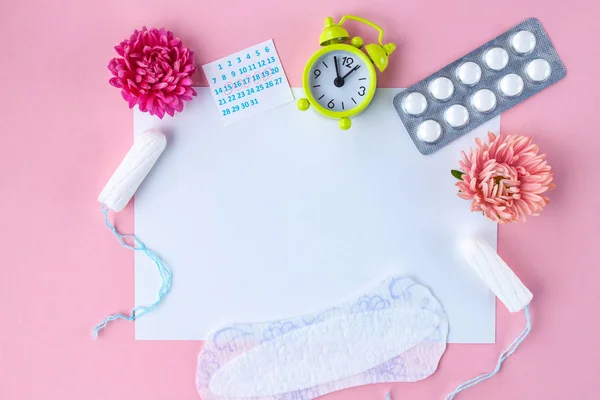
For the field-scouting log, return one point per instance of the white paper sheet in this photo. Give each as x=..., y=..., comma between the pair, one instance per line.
x=248, y=82
x=259, y=220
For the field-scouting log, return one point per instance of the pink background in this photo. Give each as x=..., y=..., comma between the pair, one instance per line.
x=65, y=130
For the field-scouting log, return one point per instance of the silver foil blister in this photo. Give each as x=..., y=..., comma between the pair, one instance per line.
x=479, y=86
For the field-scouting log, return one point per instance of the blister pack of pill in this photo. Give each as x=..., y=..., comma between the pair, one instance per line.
x=479, y=86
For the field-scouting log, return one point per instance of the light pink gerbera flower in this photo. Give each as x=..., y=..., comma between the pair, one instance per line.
x=505, y=179
x=154, y=71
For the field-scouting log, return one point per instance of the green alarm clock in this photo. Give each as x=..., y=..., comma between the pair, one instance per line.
x=339, y=80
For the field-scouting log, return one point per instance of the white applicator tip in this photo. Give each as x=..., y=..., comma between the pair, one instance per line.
x=133, y=169
x=496, y=274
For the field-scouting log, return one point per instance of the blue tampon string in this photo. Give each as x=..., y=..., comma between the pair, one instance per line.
x=505, y=354
x=165, y=275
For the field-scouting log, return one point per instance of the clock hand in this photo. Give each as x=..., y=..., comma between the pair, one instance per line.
x=338, y=81
x=351, y=71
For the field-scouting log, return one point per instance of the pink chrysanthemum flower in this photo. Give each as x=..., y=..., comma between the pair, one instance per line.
x=154, y=71
x=505, y=179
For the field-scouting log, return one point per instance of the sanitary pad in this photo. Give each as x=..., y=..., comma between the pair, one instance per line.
x=396, y=332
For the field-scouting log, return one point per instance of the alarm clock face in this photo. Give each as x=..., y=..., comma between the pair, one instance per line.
x=341, y=81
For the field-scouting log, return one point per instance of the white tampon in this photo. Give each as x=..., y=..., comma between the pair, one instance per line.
x=138, y=162
x=496, y=274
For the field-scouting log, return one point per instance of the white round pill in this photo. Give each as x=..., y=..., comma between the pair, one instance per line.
x=468, y=73
x=414, y=104
x=441, y=88
x=511, y=85
x=429, y=131
x=523, y=42
x=538, y=70
x=496, y=58
x=484, y=100
x=457, y=116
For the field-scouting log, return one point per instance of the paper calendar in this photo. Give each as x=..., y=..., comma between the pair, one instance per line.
x=248, y=82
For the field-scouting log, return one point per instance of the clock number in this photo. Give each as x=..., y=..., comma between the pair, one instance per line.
x=317, y=73
x=362, y=90
x=347, y=61
x=330, y=104
x=228, y=63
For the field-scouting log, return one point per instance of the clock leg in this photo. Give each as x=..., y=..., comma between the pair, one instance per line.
x=303, y=104
x=345, y=123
